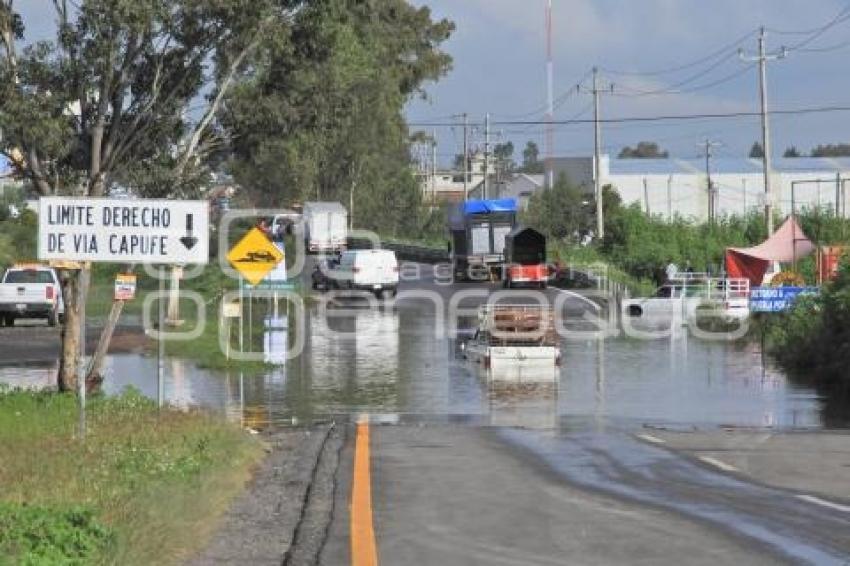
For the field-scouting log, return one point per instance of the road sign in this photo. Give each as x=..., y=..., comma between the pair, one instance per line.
x=776, y=299
x=254, y=256
x=125, y=287
x=276, y=279
x=123, y=230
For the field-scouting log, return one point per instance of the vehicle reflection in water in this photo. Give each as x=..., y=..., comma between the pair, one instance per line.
x=531, y=406
x=392, y=361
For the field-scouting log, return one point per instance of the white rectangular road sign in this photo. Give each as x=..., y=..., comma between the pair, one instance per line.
x=123, y=230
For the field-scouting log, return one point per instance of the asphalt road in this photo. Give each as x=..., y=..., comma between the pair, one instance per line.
x=454, y=494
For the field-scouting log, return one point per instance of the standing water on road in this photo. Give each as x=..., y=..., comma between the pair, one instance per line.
x=391, y=362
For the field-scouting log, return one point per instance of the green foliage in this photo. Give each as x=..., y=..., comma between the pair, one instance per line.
x=831, y=150
x=18, y=238
x=531, y=159
x=791, y=152
x=31, y=535
x=321, y=118
x=643, y=150
x=756, y=151
x=112, y=96
x=144, y=484
x=560, y=211
x=644, y=245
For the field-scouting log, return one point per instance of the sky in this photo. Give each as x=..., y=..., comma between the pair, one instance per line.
x=499, y=52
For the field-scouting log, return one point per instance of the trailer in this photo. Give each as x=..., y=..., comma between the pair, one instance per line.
x=477, y=230
x=325, y=227
x=515, y=344
x=525, y=259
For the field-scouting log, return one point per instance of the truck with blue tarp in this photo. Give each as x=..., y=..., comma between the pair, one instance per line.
x=477, y=231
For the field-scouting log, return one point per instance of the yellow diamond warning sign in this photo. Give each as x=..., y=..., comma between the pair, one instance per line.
x=254, y=256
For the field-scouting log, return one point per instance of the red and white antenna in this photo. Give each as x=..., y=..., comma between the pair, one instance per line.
x=550, y=109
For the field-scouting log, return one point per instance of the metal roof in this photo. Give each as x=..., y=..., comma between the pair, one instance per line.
x=727, y=165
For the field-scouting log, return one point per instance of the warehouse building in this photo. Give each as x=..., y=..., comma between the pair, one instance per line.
x=670, y=187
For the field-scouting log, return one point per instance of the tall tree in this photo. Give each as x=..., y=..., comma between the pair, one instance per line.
x=791, y=151
x=531, y=158
x=643, y=150
x=561, y=210
x=127, y=89
x=756, y=151
x=322, y=117
x=832, y=150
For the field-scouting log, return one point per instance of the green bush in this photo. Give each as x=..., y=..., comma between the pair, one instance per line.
x=51, y=535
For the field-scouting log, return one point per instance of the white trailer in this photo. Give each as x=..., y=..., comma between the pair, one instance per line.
x=515, y=344
x=325, y=227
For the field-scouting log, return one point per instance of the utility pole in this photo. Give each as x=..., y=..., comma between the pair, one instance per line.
x=708, y=145
x=669, y=198
x=433, y=167
x=597, y=141
x=762, y=58
x=465, y=157
x=486, y=151
x=744, y=191
x=597, y=145
x=646, y=197
x=550, y=108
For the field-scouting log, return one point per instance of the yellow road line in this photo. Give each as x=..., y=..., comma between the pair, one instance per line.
x=364, y=551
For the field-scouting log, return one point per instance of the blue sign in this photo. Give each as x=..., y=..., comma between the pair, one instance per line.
x=777, y=299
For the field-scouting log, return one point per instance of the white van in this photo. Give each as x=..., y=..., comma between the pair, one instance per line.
x=371, y=270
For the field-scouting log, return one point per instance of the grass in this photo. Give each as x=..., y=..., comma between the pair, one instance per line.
x=586, y=256
x=144, y=487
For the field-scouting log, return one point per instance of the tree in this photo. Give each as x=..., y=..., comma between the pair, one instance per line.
x=117, y=95
x=756, y=151
x=321, y=116
x=830, y=150
x=561, y=210
x=643, y=150
x=503, y=154
x=531, y=159
x=791, y=152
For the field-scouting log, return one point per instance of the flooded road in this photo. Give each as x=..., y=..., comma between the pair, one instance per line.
x=401, y=360
x=594, y=441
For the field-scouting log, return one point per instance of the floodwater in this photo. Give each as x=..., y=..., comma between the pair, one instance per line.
x=397, y=361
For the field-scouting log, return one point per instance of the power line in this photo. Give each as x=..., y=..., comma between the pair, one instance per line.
x=835, y=47
x=558, y=102
x=709, y=57
x=658, y=118
x=838, y=18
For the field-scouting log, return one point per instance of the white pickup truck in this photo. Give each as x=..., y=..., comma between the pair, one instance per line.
x=31, y=291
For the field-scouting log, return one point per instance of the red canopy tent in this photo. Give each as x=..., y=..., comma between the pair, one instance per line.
x=786, y=244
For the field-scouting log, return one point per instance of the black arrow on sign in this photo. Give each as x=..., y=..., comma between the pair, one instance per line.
x=188, y=240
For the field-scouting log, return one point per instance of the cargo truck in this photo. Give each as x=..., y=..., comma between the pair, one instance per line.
x=525, y=259
x=325, y=227
x=477, y=231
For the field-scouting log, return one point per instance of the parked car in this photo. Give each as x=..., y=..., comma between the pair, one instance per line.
x=31, y=291
x=369, y=270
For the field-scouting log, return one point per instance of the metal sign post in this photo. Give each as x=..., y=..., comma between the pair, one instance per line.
x=160, y=356
x=81, y=369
